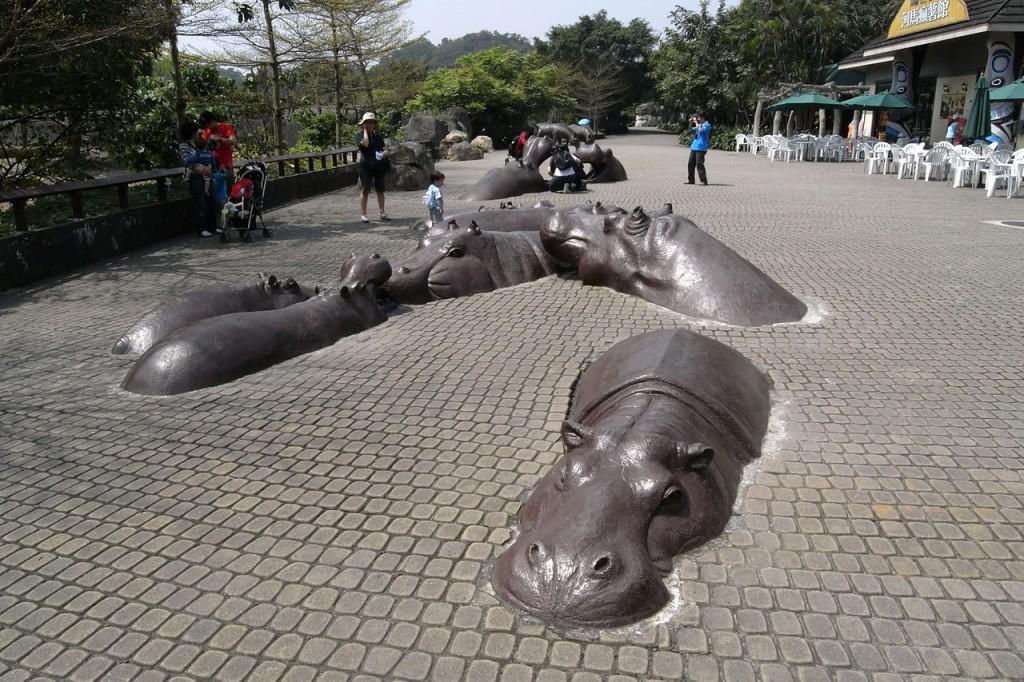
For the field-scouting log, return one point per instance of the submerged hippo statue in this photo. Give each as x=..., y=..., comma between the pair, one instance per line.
x=556, y=131
x=537, y=150
x=604, y=166
x=505, y=182
x=221, y=349
x=583, y=134
x=466, y=260
x=266, y=293
x=655, y=444
x=509, y=219
x=669, y=261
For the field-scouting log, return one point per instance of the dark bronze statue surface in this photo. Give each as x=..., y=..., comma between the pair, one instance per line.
x=221, y=349
x=538, y=149
x=509, y=181
x=266, y=293
x=496, y=220
x=657, y=437
x=669, y=261
x=583, y=134
x=556, y=131
x=604, y=166
x=465, y=261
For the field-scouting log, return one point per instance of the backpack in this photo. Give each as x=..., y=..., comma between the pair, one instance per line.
x=563, y=160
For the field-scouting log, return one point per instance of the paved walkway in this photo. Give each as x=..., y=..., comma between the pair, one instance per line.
x=336, y=517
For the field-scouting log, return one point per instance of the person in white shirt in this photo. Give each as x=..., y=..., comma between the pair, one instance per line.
x=434, y=199
x=566, y=170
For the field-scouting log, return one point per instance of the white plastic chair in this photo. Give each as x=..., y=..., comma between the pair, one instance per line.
x=878, y=157
x=936, y=162
x=999, y=168
x=962, y=169
x=742, y=143
x=781, y=149
x=908, y=158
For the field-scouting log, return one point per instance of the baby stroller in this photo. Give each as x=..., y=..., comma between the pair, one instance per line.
x=245, y=202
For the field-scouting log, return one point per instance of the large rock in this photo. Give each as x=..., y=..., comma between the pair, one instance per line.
x=456, y=136
x=410, y=154
x=464, y=151
x=483, y=143
x=426, y=129
x=457, y=118
x=408, y=178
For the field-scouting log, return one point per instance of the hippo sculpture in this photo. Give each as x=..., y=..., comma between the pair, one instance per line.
x=660, y=429
x=583, y=134
x=465, y=261
x=556, y=131
x=508, y=181
x=669, y=261
x=510, y=219
x=537, y=150
x=604, y=166
x=266, y=293
x=221, y=349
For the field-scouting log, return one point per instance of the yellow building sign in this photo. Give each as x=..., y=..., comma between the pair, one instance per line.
x=921, y=15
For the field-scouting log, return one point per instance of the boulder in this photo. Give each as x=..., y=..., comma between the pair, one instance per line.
x=408, y=178
x=483, y=143
x=457, y=118
x=464, y=151
x=426, y=129
x=410, y=154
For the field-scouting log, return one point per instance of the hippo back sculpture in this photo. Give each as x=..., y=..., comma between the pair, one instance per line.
x=509, y=219
x=266, y=293
x=604, y=166
x=224, y=348
x=659, y=432
x=556, y=131
x=465, y=261
x=583, y=134
x=669, y=261
x=509, y=181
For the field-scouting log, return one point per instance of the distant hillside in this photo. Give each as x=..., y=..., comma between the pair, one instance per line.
x=445, y=54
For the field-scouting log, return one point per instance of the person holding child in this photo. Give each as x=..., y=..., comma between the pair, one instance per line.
x=199, y=166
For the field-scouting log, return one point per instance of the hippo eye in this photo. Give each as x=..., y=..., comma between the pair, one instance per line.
x=563, y=476
x=672, y=497
x=455, y=252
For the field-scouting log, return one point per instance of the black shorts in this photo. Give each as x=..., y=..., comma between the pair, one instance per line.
x=372, y=178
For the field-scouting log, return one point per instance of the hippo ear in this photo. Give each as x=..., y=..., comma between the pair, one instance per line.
x=474, y=228
x=345, y=293
x=452, y=225
x=316, y=290
x=274, y=282
x=696, y=456
x=290, y=284
x=575, y=434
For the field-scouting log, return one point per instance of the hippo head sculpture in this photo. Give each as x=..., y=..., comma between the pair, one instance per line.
x=667, y=260
x=468, y=260
x=660, y=429
x=360, y=279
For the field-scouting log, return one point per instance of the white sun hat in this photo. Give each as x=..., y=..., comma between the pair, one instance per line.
x=368, y=116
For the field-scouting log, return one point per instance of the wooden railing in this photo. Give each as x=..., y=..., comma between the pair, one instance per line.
x=75, y=191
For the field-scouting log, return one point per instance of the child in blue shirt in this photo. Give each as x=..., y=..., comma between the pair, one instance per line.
x=434, y=199
x=203, y=156
x=701, y=130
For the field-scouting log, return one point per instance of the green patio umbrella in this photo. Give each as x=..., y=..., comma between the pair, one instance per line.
x=979, y=124
x=878, y=102
x=810, y=100
x=1011, y=92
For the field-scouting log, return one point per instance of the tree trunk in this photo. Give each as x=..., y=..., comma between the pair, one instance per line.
x=821, y=123
x=336, y=48
x=366, y=80
x=275, y=79
x=757, y=116
x=837, y=122
x=777, y=123
x=179, y=88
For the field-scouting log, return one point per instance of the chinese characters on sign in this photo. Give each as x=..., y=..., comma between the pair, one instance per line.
x=933, y=11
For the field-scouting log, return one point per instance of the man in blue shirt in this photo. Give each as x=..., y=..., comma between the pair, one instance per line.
x=701, y=130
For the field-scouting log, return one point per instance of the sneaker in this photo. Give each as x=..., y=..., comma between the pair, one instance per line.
x=364, y=219
x=205, y=233
x=704, y=183
x=566, y=189
x=384, y=217
x=690, y=182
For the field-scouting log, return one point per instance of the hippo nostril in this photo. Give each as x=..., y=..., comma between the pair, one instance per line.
x=603, y=564
x=375, y=256
x=403, y=270
x=536, y=554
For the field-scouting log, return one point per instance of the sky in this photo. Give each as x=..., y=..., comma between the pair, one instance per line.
x=454, y=18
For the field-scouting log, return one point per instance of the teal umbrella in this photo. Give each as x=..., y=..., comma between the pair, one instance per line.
x=811, y=100
x=878, y=102
x=1011, y=92
x=979, y=124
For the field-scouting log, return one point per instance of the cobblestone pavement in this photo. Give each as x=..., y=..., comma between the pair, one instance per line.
x=336, y=517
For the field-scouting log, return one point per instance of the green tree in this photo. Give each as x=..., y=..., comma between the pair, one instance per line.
x=599, y=40
x=67, y=67
x=500, y=88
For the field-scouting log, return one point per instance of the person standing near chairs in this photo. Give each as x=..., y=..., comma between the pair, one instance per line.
x=701, y=130
x=373, y=164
